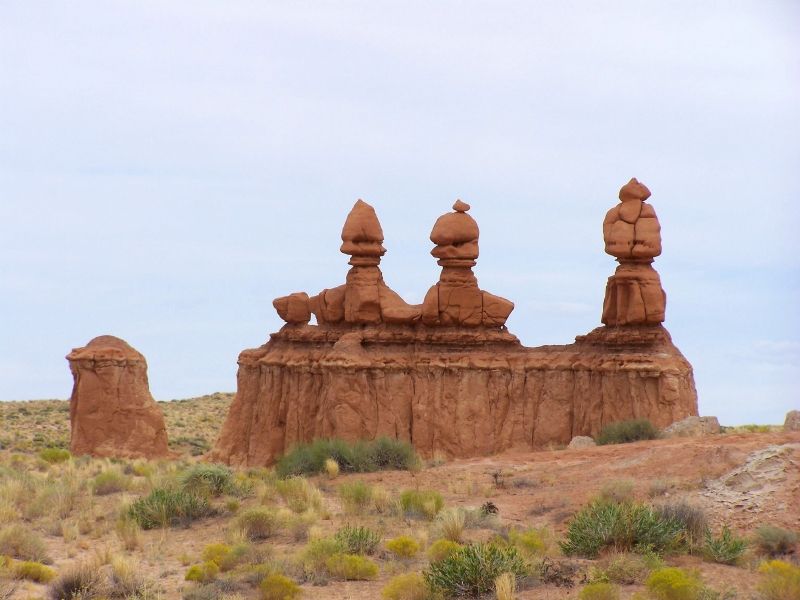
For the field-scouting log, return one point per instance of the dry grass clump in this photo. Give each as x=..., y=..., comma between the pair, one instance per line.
x=358, y=540
x=774, y=541
x=300, y=495
x=403, y=546
x=505, y=586
x=82, y=581
x=33, y=571
x=451, y=524
x=409, y=586
x=356, y=496
x=351, y=567
x=279, y=587
x=20, y=541
x=110, y=481
x=257, y=523
x=421, y=503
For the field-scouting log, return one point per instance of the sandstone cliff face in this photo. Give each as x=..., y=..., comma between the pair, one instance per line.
x=446, y=375
x=112, y=413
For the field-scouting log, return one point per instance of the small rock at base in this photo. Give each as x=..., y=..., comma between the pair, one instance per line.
x=792, y=422
x=692, y=427
x=581, y=441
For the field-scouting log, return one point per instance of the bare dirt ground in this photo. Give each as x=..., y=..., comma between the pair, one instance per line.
x=742, y=480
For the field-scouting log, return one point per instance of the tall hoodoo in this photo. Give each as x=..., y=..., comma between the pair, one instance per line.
x=111, y=411
x=632, y=234
x=456, y=300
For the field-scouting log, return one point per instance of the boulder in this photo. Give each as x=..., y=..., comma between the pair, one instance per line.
x=692, y=427
x=792, y=422
x=581, y=441
x=111, y=411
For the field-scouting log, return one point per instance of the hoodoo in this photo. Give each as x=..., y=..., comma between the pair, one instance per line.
x=111, y=411
x=447, y=375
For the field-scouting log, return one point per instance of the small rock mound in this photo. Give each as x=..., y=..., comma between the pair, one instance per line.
x=792, y=422
x=692, y=427
x=581, y=441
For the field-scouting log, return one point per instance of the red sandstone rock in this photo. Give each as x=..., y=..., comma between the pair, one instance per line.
x=447, y=376
x=634, y=295
x=112, y=413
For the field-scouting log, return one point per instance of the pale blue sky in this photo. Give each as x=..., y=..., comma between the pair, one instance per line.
x=168, y=168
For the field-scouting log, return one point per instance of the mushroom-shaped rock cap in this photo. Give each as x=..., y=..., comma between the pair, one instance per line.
x=106, y=346
x=634, y=190
x=455, y=227
x=362, y=234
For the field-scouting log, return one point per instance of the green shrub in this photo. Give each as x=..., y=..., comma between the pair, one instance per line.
x=33, y=571
x=472, y=570
x=257, y=523
x=80, y=582
x=359, y=457
x=403, y=546
x=529, y=541
x=202, y=573
x=313, y=557
x=55, y=455
x=279, y=587
x=726, y=549
x=421, y=503
x=775, y=541
x=19, y=541
x=356, y=497
x=207, y=480
x=409, y=586
x=351, y=567
x=441, y=549
x=693, y=520
x=599, y=591
x=779, y=580
x=357, y=540
x=109, y=481
x=164, y=507
x=620, y=527
x=672, y=583
x=622, y=432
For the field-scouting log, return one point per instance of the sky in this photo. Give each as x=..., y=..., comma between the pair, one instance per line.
x=168, y=168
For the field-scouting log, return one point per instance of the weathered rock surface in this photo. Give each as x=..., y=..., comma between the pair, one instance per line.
x=632, y=233
x=445, y=375
x=792, y=422
x=692, y=427
x=112, y=413
x=581, y=441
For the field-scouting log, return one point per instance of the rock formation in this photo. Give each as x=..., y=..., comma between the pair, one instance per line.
x=111, y=411
x=447, y=375
x=632, y=233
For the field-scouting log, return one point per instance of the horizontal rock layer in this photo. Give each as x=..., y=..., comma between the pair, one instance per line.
x=456, y=392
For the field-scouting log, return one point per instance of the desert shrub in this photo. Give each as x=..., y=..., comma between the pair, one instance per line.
x=620, y=527
x=622, y=432
x=109, y=481
x=356, y=496
x=278, y=587
x=312, y=559
x=624, y=569
x=33, y=571
x=357, y=540
x=127, y=530
x=779, y=580
x=451, y=524
x=504, y=586
x=202, y=573
x=257, y=523
x=672, y=583
x=599, y=591
x=331, y=468
x=409, y=586
x=299, y=494
x=616, y=491
x=55, y=455
x=693, y=520
x=19, y=541
x=216, y=553
x=726, y=549
x=358, y=457
x=164, y=507
x=775, y=541
x=351, y=567
x=83, y=581
x=441, y=549
x=403, y=546
x=529, y=541
x=124, y=581
x=471, y=570
x=207, y=480
x=300, y=525
x=421, y=503
x=382, y=500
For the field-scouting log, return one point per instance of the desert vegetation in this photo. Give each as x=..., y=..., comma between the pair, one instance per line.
x=333, y=518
